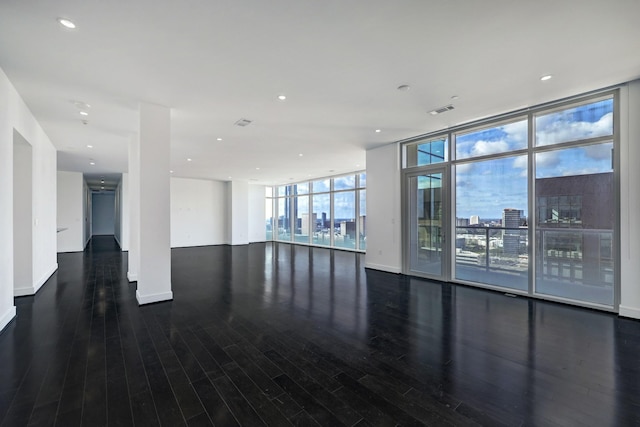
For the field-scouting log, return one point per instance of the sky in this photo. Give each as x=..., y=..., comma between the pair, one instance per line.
x=487, y=187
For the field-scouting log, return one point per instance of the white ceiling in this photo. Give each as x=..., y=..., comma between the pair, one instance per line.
x=338, y=62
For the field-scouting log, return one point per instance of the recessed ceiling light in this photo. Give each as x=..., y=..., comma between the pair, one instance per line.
x=218, y=139
x=378, y=130
x=92, y=163
x=282, y=97
x=300, y=155
x=189, y=159
x=67, y=23
x=102, y=187
x=546, y=77
x=229, y=177
x=170, y=171
x=257, y=169
x=89, y=146
x=84, y=113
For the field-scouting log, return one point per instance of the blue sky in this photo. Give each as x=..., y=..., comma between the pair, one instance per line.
x=485, y=188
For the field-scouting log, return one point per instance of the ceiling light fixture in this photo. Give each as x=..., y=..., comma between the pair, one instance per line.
x=89, y=146
x=170, y=171
x=257, y=169
x=218, y=139
x=378, y=130
x=300, y=155
x=84, y=113
x=189, y=159
x=282, y=97
x=92, y=163
x=67, y=23
x=546, y=77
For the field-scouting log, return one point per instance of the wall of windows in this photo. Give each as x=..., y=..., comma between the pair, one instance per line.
x=533, y=200
x=327, y=212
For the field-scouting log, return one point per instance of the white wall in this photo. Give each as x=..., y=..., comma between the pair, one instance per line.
x=104, y=213
x=15, y=115
x=70, y=212
x=122, y=212
x=197, y=212
x=384, y=251
x=238, y=212
x=257, y=227
x=630, y=201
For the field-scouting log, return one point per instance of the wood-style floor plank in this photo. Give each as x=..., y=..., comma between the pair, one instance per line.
x=275, y=334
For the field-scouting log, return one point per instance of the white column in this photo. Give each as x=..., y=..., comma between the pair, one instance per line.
x=154, y=227
x=238, y=212
x=630, y=201
x=384, y=250
x=134, y=209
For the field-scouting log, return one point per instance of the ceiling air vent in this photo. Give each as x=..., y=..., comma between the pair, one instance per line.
x=441, y=110
x=243, y=122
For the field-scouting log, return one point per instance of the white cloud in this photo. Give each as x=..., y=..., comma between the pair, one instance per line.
x=553, y=132
x=599, y=151
x=483, y=148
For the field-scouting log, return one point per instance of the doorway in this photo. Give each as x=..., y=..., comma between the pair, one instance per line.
x=425, y=232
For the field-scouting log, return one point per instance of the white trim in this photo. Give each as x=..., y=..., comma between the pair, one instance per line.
x=23, y=292
x=629, y=312
x=7, y=317
x=132, y=277
x=381, y=267
x=44, y=278
x=148, y=299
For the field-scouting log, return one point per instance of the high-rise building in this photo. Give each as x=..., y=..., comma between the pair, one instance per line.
x=511, y=221
x=474, y=220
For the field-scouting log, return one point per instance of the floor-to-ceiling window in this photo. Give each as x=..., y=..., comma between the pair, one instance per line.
x=325, y=212
x=532, y=201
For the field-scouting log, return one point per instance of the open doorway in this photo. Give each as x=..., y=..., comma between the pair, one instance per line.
x=22, y=216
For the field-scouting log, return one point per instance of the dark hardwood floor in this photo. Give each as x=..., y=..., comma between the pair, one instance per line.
x=280, y=334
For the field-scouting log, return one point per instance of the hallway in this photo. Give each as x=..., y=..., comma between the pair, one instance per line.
x=279, y=334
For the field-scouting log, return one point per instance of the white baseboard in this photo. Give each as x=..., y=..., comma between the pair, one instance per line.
x=132, y=277
x=45, y=277
x=381, y=267
x=149, y=299
x=629, y=312
x=31, y=290
x=7, y=317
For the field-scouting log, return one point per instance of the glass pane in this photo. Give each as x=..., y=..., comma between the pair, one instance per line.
x=344, y=227
x=574, y=245
x=363, y=180
x=321, y=186
x=344, y=182
x=575, y=123
x=426, y=153
x=268, y=213
x=301, y=212
x=491, y=222
x=495, y=140
x=575, y=161
x=268, y=191
x=284, y=219
x=363, y=220
x=284, y=190
x=322, y=219
x=301, y=188
x=426, y=224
